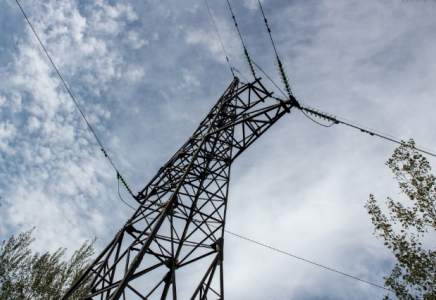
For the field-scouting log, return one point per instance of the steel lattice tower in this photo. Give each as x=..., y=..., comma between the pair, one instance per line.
x=172, y=246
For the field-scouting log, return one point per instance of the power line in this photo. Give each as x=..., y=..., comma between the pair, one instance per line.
x=121, y=198
x=300, y=258
x=246, y=53
x=281, y=68
x=338, y=120
x=237, y=71
x=219, y=36
x=331, y=118
x=76, y=103
x=284, y=95
x=308, y=261
x=315, y=121
x=372, y=132
x=268, y=29
x=291, y=255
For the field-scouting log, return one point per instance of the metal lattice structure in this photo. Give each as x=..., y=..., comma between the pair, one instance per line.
x=172, y=247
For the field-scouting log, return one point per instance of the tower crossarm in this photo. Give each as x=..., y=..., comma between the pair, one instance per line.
x=172, y=246
x=252, y=124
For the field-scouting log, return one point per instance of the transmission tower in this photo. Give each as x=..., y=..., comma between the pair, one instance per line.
x=172, y=247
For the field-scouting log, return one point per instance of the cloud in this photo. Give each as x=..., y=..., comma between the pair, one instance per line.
x=53, y=162
x=145, y=75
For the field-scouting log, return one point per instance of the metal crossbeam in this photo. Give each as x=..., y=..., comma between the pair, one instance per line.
x=172, y=247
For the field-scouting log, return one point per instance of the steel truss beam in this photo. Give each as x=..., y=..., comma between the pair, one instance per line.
x=172, y=247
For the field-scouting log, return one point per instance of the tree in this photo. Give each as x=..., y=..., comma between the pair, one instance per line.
x=24, y=275
x=409, y=230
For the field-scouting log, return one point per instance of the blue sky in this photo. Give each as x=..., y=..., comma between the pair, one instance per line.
x=146, y=73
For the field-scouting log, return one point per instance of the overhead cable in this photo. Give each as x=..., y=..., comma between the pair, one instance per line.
x=315, y=121
x=302, y=259
x=219, y=36
x=284, y=95
x=280, y=66
x=246, y=53
x=308, y=261
x=237, y=71
x=119, y=194
x=337, y=120
x=76, y=103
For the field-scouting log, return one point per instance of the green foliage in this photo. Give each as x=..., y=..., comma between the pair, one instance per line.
x=24, y=275
x=406, y=227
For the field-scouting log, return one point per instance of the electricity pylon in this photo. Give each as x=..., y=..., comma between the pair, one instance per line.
x=172, y=247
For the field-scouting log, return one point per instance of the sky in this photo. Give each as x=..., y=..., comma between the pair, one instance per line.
x=145, y=73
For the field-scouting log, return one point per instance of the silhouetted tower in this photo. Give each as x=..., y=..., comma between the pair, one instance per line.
x=172, y=247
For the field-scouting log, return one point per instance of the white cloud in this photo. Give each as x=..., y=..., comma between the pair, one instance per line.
x=251, y=4
x=208, y=38
x=135, y=74
x=145, y=75
x=7, y=130
x=135, y=40
x=2, y=100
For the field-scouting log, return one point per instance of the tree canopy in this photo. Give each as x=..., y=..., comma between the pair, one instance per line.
x=409, y=229
x=27, y=275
